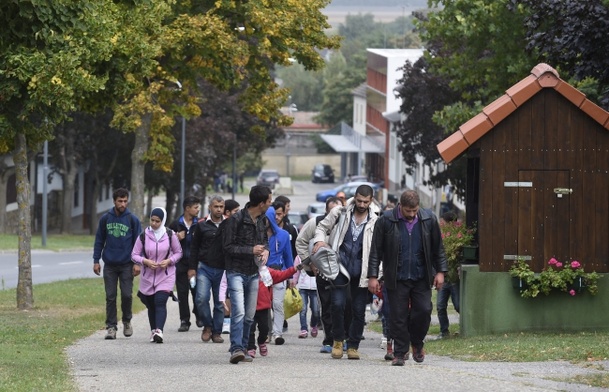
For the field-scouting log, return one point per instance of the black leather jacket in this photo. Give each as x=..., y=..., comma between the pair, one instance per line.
x=386, y=246
x=240, y=236
x=203, y=234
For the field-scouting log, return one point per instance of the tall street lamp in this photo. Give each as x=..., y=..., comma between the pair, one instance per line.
x=182, y=155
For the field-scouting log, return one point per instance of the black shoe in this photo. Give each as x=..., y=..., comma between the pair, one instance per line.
x=199, y=323
x=397, y=361
x=184, y=327
x=418, y=354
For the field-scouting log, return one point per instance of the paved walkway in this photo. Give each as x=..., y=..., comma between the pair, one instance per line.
x=185, y=363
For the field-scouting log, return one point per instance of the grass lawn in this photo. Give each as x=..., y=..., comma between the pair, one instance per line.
x=32, y=357
x=55, y=242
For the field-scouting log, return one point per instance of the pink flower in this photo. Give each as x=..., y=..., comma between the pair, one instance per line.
x=572, y=292
x=558, y=264
x=575, y=264
x=459, y=235
x=552, y=261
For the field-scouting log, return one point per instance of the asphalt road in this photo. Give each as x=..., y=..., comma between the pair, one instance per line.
x=50, y=266
x=47, y=266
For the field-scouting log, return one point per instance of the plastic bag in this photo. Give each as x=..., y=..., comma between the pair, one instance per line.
x=292, y=302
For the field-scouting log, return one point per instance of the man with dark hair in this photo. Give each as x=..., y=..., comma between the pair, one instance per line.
x=245, y=244
x=184, y=227
x=208, y=272
x=116, y=234
x=408, y=242
x=230, y=207
x=351, y=228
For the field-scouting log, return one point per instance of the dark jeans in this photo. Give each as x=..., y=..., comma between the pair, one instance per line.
x=323, y=293
x=183, y=288
x=157, y=308
x=385, y=314
x=114, y=275
x=357, y=307
x=410, y=308
x=261, y=319
x=448, y=290
x=325, y=301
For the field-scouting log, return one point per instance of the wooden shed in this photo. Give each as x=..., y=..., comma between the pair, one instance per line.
x=537, y=187
x=538, y=175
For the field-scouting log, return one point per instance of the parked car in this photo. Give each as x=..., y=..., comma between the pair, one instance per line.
x=322, y=173
x=355, y=179
x=298, y=219
x=316, y=209
x=268, y=177
x=349, y=189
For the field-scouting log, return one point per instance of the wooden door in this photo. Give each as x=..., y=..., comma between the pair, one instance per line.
x=543, y=216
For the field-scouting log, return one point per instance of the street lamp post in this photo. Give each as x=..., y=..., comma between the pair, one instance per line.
x=234, y=166
x=182, y=155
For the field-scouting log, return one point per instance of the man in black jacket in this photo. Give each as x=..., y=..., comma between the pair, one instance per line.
x=245, y=243
x=208, y=271
x=184, y=228
x=408, y=241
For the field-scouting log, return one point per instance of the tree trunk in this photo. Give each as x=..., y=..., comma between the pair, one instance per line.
x=136, y=201
x=25, y=297
x=5, y=173
x=69, y=171
x=68, y=200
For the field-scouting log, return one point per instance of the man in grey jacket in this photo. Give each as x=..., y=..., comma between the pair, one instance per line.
x=408, y=242
x=353, y=236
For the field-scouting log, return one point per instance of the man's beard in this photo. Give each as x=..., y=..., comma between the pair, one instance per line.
x=361, y=210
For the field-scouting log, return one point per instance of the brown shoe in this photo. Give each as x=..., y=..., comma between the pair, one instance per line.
x=352, y=353
x=216, y=338
x=206, y=334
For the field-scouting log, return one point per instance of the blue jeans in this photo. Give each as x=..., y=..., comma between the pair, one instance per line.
x=359, y=298
x=243, y=292
x=208, y=282
x=309, y=297
x=452, y=290
x=121, y=275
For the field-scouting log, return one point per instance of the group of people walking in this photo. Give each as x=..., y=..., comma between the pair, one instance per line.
x=397, y=252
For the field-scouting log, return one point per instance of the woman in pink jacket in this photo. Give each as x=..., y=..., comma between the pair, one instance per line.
x=157, y=250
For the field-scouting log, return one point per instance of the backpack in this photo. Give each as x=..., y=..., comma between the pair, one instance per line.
x=143, y=240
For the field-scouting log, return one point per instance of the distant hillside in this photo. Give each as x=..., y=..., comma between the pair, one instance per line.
x=379, y=3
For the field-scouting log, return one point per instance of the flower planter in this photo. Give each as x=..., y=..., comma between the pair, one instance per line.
x=578, y=285
x=519, y=284
x=470, y=254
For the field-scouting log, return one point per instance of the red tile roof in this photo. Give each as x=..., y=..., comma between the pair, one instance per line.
x=542, y=76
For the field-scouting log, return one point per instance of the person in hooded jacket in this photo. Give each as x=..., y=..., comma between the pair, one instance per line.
x=280, y=258
x=158, y=254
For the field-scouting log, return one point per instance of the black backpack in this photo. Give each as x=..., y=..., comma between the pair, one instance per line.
x=143, y=240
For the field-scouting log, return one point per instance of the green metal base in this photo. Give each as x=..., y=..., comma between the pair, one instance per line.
x=490, y=305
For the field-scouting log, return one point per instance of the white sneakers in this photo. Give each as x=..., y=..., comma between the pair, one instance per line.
x=156, y=336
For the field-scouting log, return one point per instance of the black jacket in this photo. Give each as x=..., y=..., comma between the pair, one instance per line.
x=202, y=237
x=177, y=226
x=240, y=236
x=386, y=246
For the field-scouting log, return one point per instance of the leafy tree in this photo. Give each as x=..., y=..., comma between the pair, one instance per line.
x=338, y=98
x=47, y=64
x=305, y=87
x=570, y=36
x=474, y=52
x=423, y=94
